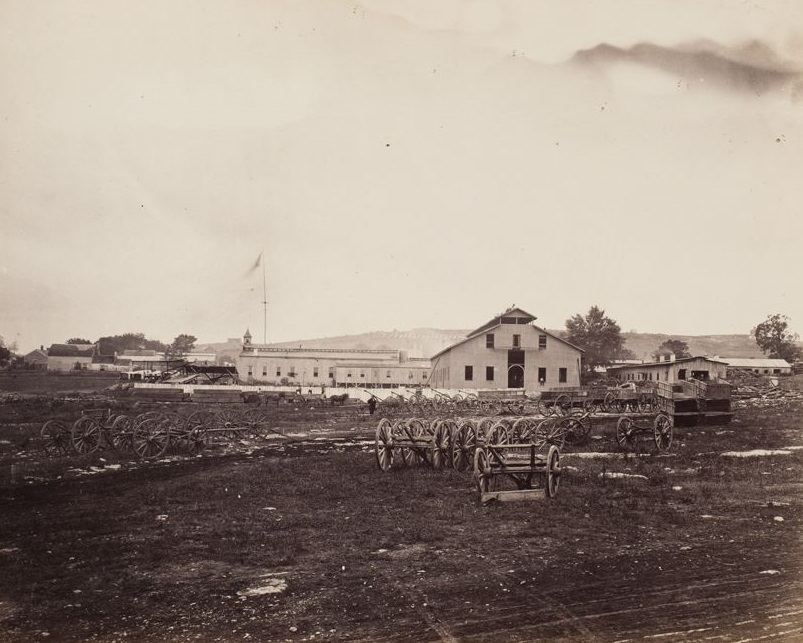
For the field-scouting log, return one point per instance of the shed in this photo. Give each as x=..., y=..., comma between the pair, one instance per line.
x=704, y=369
x=760, y=365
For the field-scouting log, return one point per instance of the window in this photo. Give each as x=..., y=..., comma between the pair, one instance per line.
x=489, y=373
x=387, y=373
x=348, y=374
x=278, y=371
x=516, y=341
x=410, y=375
x=315, y=371
x=264, y=371
x=469, y=373
x=563, y=374
x=331, y=373
x=541, y=375
x=541, y=342
x=362, y=373
x=489, y=340
x=250, y=371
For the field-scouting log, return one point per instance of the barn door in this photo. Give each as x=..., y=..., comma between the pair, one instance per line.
x=515, y=369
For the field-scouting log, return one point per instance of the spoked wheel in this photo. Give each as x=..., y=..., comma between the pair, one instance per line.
x=463, y=444
x=549, y=431
x=151, y=437
x=482, y=470
x=122, y=433
x=442, y=445
x=625, y=434
x=384, y=445
x=56, y=437
x=610, y=402
x=256, y=423
x=196, y=436
x=498, y=434
x=552, y=481
x=86, y=435
x=662, y=428
x=402, y=431
x=563, y=405
x=575, y=429
x=231, y=424
x=522, y=430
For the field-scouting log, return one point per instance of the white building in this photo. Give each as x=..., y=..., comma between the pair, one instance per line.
x=508, y=352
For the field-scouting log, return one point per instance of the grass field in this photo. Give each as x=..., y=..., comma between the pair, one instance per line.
x=303, y=538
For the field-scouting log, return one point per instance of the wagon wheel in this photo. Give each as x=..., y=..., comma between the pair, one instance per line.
x=498, y=434
x=151, y=437
x=625, y=434
x=384, y=444
x=55, y=436
x=610, y=403
x=256, y=423
x=549, y=431
x=197, y=429
x=575, y=430
x=441, y=445
x=552, y=480
x=231, y=425
x=403, y=455
x=86, y=435
x=522, y=430
x=463, y=444
x=483, y=428
x=662, y=429
x=563, y=404
x=591, y=404
x=482, y=470
x=122, y=433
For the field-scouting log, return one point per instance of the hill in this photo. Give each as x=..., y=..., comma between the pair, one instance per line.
x=425, y=342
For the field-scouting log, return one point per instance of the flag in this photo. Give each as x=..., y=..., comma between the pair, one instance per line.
x=256, y=264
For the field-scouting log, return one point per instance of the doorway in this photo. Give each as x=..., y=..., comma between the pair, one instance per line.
x=515, y=369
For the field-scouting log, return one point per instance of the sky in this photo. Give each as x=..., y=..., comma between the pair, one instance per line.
x=396, y=165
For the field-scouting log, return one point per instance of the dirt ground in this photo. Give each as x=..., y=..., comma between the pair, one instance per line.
x=302, y=537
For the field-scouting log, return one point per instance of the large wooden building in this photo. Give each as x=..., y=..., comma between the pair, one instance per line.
x=508, y=352
x=329, y=367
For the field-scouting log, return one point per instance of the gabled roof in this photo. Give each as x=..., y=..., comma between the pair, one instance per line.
x=521, y=317
x=682, y=360
x=496, y=322
x=756, y=362
x=71, y=350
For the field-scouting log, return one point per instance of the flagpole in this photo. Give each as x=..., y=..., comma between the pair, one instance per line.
x=264, y=303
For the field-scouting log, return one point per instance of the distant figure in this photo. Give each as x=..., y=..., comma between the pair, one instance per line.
x=371, y=405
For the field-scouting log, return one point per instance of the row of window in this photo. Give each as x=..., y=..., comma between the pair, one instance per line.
x=490, y=341
x=563, y=374
x=291, y=373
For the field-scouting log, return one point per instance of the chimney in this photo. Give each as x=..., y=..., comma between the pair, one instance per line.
x=671, y=357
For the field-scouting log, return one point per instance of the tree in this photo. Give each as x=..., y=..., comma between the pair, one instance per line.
x=676, y=347
x=775, y=339
x=599, y=336
x=182, y=345
x=79, y=341
x=5, y=353
x=129, y=341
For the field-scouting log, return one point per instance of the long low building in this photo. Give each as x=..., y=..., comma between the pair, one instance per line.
x=312, y=367
x=760, y=365
x=671, y=370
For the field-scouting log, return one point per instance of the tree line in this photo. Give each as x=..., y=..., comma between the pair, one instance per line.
x=117, y=344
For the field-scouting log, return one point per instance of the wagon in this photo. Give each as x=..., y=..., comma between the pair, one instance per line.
x=522, y=463
x=630, y=428
x=414, y=440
